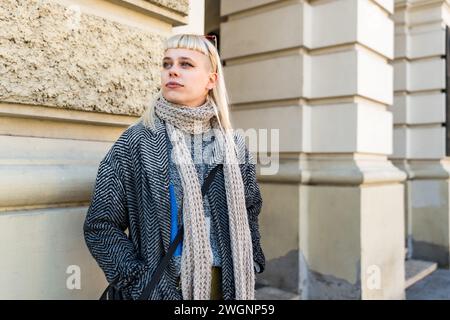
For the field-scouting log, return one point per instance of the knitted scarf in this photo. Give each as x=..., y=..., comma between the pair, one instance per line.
x=196, y=258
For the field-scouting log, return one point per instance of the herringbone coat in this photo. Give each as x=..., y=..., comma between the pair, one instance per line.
x=132, y=192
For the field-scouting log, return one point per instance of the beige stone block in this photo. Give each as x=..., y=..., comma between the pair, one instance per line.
x=39, y=172
x=334, y=128
x=400, y=108
x=263, y=32
x=279, y=228
x=334, y=74
x=351, y=231
x=269, y=79
x=382, y=242
x=38, y=247
x=430, y=215
x=351, y=128
x=427, y=74
x=426, y=14
x=426, y=108
x=348, y=21
x=401, y=43
x=419, y=142
x=289, y=121
x=34, y=185
x=232, y=6
x=376, y=27
x=333, y=22
x=330, y=230
x=426, y=142
x=31, y=150
x=320, y=128
x=279, y=219
x=418, y=75
x=401, y=74
x=427, y=43
x=400, y=143
x=375, y=78
x=351, y=72
x=374, y=129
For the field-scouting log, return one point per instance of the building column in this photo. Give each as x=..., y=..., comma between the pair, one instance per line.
x=421, y=129
x=320, y=72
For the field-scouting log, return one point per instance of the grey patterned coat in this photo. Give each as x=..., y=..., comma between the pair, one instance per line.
x=132, y=192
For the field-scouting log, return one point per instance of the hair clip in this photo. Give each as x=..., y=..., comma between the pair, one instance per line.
x=212, y=37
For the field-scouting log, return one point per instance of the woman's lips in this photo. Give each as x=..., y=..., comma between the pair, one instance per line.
x=173, y=85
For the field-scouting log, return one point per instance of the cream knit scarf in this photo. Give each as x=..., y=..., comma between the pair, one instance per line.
x=196, y=259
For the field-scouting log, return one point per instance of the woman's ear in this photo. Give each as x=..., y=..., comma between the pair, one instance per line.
x=212, y=80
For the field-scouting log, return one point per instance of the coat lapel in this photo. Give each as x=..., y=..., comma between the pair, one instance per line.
x=155, y=162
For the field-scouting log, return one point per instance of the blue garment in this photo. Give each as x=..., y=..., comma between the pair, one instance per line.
x=174, y=220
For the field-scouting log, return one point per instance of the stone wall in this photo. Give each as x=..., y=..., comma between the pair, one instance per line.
x=54, y=56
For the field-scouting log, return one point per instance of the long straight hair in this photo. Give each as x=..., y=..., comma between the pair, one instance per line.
x=218, y=94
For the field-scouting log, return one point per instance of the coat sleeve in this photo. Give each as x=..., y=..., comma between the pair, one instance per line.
x=253, y=201
x=105, y=225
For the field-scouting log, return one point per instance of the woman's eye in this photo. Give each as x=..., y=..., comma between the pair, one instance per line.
x=183, y=64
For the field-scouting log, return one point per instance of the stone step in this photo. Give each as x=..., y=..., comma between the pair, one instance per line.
x=416, y=270
x=272, y=293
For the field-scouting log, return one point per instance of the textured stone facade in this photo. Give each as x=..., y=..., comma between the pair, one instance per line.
x=54, y=56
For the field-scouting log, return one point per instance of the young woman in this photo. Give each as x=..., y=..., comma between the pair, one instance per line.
x=158, y=166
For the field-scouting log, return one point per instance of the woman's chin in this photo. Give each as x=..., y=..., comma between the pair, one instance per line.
x=173, y=97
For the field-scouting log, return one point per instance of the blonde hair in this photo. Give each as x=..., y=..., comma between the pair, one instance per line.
x=218, y=94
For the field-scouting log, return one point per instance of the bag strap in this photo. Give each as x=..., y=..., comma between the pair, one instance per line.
x=166, y=259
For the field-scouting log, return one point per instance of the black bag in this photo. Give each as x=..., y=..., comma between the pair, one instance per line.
x=112, y=293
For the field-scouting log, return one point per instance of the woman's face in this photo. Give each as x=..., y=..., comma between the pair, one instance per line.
x=186, y=77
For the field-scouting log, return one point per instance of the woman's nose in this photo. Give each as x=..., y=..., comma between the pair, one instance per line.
x=173, y=72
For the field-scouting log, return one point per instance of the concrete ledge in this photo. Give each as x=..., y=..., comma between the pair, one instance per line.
x=433, y=287
x=173, y=12
x=43, y=171
x=435, y=169
x=271, y=293
x=416, y=270
x=332, y=169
